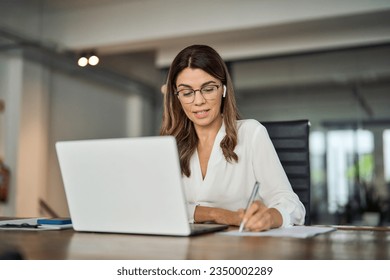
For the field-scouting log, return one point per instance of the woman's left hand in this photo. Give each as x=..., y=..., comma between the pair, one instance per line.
x=259, y=217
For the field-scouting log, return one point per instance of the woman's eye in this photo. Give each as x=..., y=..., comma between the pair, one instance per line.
x=187, y=93
x=209, y=89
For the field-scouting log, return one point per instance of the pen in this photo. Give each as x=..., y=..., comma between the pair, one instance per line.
x=250, y=201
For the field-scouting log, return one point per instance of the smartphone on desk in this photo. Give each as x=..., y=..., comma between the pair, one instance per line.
x=54, y=221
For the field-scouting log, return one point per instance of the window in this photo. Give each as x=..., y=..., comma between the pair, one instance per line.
x=386, y=156
x=349, y=161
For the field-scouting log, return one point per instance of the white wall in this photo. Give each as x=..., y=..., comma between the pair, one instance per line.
x=33, y=139
x=81, y=109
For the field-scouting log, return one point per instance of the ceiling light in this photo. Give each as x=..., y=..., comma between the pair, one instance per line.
x=88, y=58
x=83, y=61
x=93, y=60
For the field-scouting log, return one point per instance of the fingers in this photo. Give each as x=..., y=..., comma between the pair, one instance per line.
x=260, y=221
x=257, y=217
x=254, y=208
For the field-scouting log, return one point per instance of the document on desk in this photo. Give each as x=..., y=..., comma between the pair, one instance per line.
x=293, y=231
x=30, y=224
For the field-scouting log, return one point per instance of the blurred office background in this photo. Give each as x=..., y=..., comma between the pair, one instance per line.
x=326, y=61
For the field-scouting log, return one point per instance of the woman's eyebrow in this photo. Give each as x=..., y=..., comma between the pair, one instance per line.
x=183, y=85
x=204, y=84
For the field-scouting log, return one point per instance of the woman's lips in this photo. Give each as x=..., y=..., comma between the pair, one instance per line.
x=201, y=114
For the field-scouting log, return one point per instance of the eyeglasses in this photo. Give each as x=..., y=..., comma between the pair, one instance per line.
x=208, y=92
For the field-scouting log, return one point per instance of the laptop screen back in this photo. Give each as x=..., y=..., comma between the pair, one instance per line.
x=126, y=185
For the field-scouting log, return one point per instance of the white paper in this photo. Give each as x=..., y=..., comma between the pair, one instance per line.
x=294, y=231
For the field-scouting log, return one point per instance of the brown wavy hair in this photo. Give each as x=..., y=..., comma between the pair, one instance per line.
x=175, y=121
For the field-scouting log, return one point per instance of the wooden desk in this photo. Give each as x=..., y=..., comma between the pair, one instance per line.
x=353, y=244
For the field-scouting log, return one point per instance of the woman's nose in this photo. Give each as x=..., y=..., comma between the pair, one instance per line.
x=198, y=98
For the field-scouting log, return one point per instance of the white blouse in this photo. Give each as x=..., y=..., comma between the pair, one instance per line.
x=229, y=185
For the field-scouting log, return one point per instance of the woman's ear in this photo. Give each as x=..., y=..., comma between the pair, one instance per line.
x=224, y=91
x=164, y=89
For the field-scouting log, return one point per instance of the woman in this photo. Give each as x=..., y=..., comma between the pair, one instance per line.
x=222, y=156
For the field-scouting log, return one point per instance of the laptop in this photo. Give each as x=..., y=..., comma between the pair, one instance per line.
x=126, y=185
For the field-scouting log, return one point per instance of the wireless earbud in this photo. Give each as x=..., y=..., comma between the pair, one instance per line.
x=224, y=91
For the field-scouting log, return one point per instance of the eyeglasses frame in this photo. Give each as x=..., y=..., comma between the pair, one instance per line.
x=200, y=90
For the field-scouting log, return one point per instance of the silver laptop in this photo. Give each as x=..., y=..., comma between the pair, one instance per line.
x=126, y=185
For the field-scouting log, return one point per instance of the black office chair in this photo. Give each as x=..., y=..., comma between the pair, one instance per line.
x=291, y=141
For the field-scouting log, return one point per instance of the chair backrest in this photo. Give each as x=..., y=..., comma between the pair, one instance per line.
x=291, y=141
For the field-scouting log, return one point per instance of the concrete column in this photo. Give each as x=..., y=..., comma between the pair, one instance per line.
x=24, y=133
